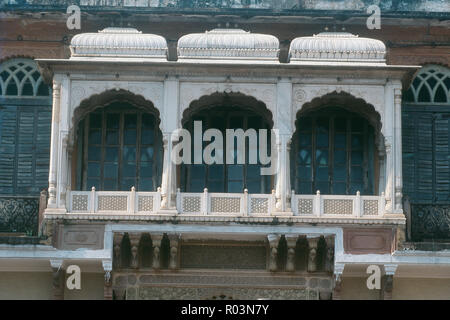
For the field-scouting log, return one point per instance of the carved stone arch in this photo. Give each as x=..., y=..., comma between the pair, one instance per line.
x=233, y=100
x=105, y=98
x=265, y=93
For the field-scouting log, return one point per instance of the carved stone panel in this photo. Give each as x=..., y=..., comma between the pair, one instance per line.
x=73, y=237
x=365, y=241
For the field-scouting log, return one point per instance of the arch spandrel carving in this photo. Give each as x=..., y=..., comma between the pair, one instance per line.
x=82, y=90
x=189, y=92
x=304, y=94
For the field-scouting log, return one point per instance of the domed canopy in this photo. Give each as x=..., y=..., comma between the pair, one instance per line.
x=228, y=44
x=118, y=43
x=337, y=47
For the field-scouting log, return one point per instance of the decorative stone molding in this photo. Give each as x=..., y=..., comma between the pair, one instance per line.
x=274, y=240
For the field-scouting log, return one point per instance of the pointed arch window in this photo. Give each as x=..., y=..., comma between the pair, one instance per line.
x=431, y=85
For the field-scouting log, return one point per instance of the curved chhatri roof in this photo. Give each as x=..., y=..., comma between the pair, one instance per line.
x=337, y=47
x=118, y=43
x=228, y=44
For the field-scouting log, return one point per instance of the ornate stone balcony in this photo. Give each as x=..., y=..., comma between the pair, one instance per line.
x=206, y=206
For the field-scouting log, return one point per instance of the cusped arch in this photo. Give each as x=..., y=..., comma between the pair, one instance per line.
x=231, y=99
x=347, y=102
x=190, y=92
x=108, y=97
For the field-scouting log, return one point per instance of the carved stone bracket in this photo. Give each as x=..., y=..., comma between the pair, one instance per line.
x=312, y=254
x=156, y=241
x=117, y=244
x=107, y=289
x=329, y=259
x=291, y=240
x=338, y=271
x=388, y=281
x=274, y=240
x=134, y=242
x=173, y=260
x=57, y=279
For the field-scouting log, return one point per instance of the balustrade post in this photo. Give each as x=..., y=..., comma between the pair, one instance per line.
x=381, y=204
x=205, y=202
x=92, y=203
x=294, y=207
x=358, y=212
x=246, y=202
x=132, y=204
x=179, y=208
x=317, y=210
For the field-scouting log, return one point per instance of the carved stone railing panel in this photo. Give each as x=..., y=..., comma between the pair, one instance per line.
x=356, y=206
x=123, y=202
x=19, y=214
x=206, y=203
x=430, y=222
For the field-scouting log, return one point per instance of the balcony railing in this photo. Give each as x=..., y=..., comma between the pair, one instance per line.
x=238, y=204
x=19, y=214
x=115, y=202
x=226, y=204
x=356, y=206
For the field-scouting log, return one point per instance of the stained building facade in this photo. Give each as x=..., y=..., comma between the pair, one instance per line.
x=90, y=121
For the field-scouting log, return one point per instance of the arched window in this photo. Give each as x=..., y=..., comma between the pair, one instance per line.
x=121, y=147
x=227, y=112
x=20, y=77
x=426, y=152
x=334, y=152
x=431, y=85
x=25, y=120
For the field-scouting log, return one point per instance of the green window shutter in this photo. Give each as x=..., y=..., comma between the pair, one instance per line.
x=8, y=129
x=441, y=159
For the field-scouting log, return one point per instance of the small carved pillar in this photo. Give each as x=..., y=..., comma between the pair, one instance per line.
x=117, y=245
x=338, y=271
x=398, y=149
x=283, y=181
x=329, y=258
x=388, y=281
x=58, y=279
x=52, y=197
x=173, y=259
x=274, y=240
x=312, y=254
x=156, y=241
x=134, y=243
x=291, y=240
x=107, y=289
x=168, y=189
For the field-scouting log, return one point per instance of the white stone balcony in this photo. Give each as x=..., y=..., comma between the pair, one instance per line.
x=206, y=206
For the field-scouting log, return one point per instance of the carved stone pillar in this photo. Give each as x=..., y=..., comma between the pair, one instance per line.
x=134, y=243
x=117, y=242
x=168, y=189
x=312, y=254
x=389, y=176
x=291, y=240
x=58, y=279
x=156, y=241
x=329, y=258
x=274, y=240
x=398, y=149
x=338, y=271
x=388, y=281
x=52, y=197
x=107, y=289
x=173, y=259
x=283, y=181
